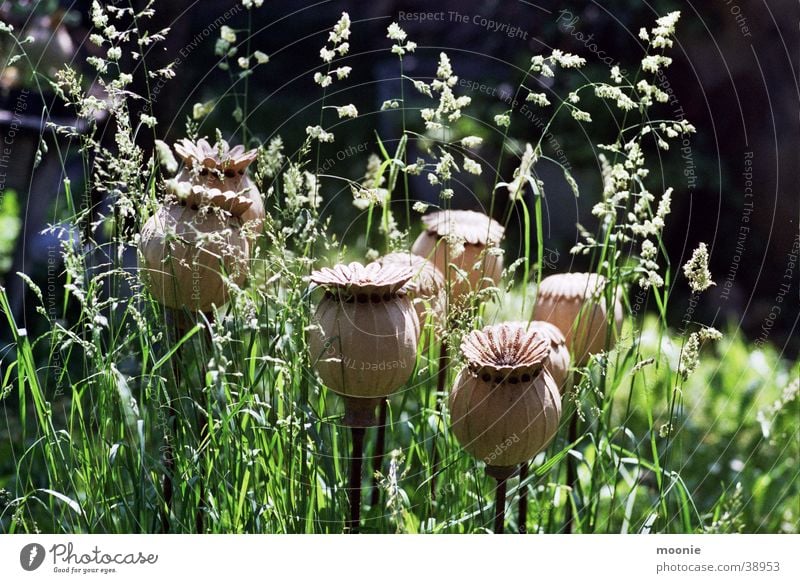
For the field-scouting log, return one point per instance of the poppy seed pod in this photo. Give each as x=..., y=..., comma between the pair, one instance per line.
x=559, y=360
x=426, y=288
x=575, y=303
x=187, y=247
x=505, y=406
x=364, y=344
x=447, y=232
x=221, y=168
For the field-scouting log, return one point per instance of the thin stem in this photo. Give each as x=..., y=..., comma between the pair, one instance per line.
x=169, y=469
x=354, y=487
x=572, y=470
x=380, y=448
x=202, y=423
x=500, y=505
x=441, y=380
x=522, y=515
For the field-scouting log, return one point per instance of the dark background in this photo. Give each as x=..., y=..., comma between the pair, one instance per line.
x=735, y=76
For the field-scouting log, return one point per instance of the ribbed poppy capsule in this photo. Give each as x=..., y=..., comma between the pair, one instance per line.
x=364, y=341
x=576, y=304
x=558, y=361
x=504, y=407
x=188, y=248
x=441, y=242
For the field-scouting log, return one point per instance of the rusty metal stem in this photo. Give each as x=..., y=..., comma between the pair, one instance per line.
x=354, y=487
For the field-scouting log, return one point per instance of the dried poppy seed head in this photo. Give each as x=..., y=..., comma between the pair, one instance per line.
x=576, y=304
x=504, y=406
x=364, y=342
x=469, y=241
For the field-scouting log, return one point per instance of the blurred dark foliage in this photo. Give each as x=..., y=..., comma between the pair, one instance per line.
x=735, y=77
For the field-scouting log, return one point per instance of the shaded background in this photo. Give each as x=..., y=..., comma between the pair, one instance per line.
x=734, y=76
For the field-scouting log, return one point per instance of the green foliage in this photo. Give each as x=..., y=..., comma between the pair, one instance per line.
x=10, y=224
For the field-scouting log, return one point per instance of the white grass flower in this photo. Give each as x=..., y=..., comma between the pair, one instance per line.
x=539, y=99
x=165, y=156
x=327, y=54
x=416, y=168
x=605, y=91
x=471, y=142
x=567, y=60
x=322, y=80
x=261, y=58
x=342, y=72
x=472, y=166
x=317, y=133
x=522, y=175
x=502, y=120
x=421, y=207
x=347, y=111
x=696, y=269
x=580, y=115
x=341, y=31
x=148, y=120
x=390, y=104
x=423, y=88
x=652, y=63
x=227, y=34
x=616, y=75
x=690, y=355
x=394, y=32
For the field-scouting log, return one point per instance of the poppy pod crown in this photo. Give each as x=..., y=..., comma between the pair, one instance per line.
x=505, y=352
x=216, y=166
x=364, y=282
x=573, y=286
x=474, y=227
x=229, y=161
x=559, y=360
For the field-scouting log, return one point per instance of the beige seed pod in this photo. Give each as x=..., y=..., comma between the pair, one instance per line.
x=221, y=168
x=575, y=303
x=426, y=288
x=364, y=342
x=505, y=406
x=447, y=232
x=186, y=248
x=558, y=361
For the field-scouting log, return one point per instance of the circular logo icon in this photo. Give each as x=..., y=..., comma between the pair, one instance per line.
x=31, y=556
